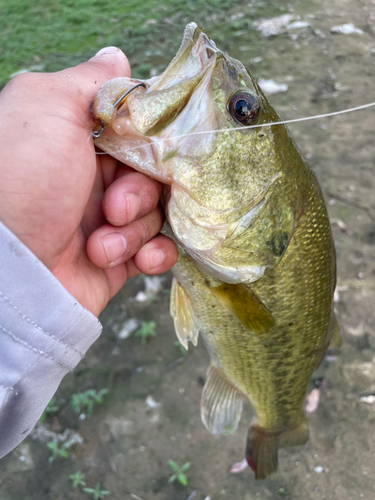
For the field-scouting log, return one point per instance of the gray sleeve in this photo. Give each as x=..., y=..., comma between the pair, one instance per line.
x=44, y=333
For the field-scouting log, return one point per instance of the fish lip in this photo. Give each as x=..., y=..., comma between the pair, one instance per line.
x=194, y=43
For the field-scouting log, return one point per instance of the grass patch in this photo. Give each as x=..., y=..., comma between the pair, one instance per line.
x=50, y=35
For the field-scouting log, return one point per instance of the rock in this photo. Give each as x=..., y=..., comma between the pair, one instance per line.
x=270, y=87
x=273, y=26
x=346, y=29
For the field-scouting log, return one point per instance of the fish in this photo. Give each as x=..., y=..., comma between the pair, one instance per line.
x=256, y=270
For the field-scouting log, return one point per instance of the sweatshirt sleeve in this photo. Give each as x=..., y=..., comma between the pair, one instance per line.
x=44, y=333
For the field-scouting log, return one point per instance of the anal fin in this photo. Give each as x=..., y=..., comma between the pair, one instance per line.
x=221, y=403
x=185, y=321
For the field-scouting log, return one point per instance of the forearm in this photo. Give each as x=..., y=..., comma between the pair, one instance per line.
x=44, y=333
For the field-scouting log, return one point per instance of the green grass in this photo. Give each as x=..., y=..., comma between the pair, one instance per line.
x=146, y=330
x=50, y=408
x=85, y=401
x=77, y=479
x=178, y=472
x=97, y=493
x=57, y=451
x=49, y=35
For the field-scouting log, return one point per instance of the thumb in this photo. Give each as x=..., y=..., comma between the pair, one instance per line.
x=85, y=80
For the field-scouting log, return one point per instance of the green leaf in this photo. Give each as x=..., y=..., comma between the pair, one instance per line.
x=145, y=330
x=77, y=479
x=173, y=465
x=185, y=466
x=172, y=478
x=182, y=479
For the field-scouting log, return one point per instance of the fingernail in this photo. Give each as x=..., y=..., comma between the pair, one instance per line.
x=156, y=257
x=107, y=50
x=115, y=246
x=132, y=206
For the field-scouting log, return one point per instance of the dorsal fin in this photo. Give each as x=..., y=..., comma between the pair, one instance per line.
x=185, y=321
x=244, y=304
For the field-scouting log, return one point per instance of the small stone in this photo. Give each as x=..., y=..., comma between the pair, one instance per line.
x=368, y=399
x=151, y=403
x=345, y=29
x=270, y=87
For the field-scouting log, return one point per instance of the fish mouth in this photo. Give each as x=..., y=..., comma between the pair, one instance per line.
x=193, y=57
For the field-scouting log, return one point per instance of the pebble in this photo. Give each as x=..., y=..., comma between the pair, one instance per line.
x=346, y=29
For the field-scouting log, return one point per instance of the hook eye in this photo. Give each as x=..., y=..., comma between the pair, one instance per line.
x=97, y=133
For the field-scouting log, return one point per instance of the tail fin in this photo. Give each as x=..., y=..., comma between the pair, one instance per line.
x=262, y=446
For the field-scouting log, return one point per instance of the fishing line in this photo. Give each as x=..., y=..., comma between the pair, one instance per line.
x=283, y=122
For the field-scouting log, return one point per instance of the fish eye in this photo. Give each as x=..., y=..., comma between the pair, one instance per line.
x=243, y=107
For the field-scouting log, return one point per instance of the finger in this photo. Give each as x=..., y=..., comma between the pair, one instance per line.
x=130, y=197
x=110, y=246
x=83, y=82
x=157, y=256
x=132, y=269
x=111, y=168
x=108, y=167
x=108, y=63
x=116, y=278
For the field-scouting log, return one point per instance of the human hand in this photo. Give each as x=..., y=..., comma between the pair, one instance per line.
x=91, y=220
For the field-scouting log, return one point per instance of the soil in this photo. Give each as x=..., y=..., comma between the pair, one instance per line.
x=151, y=413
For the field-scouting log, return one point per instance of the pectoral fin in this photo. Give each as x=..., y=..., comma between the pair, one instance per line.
x=185, y=321
x=221, y=403
x=244, y=304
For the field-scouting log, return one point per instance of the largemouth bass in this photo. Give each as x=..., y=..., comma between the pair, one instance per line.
x=256, y=268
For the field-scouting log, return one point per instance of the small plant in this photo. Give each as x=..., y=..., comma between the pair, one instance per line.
x=178, y=472
x=77, y=479
x=180, y=346
x=96, y=492
x=146, y=330
x=50, y=408
x=87, y=400
x=57, y=451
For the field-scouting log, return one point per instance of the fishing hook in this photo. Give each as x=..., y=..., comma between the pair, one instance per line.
x=97, y=133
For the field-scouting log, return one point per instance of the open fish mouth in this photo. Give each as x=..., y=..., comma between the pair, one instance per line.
x=193, y=56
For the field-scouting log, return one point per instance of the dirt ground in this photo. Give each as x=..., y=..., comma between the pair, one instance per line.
x=151, y=413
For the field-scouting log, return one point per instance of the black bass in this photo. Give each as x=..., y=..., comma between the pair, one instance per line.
x=256, y=268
